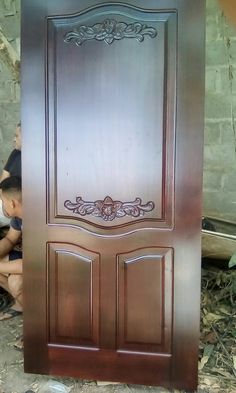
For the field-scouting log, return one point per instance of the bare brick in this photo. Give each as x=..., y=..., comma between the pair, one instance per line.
x=220, y=204
x=212, y=134
x=212, y=180
x=213, y=80
x=216, y=53
x=228, y=136
x=219, y=158
x=217, y=106
x=229, y=181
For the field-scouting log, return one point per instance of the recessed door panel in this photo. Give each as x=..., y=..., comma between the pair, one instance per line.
x=115, y=78
x=73, y=295
x=145, y=280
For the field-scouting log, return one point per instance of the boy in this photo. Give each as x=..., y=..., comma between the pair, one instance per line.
x=10, y=258
x=12, y=168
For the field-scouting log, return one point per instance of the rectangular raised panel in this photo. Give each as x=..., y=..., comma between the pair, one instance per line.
x=73, y=293
x=145, y=281
x=127, y=86
x=143, y=300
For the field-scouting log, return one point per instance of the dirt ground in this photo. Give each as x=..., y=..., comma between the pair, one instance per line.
x=14, y=380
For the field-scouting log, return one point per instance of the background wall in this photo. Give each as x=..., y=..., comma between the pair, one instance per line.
x=220, y=128
x=9, y=86
x=220, y=125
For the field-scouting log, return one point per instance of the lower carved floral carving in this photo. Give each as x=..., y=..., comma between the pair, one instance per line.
x=108, y=209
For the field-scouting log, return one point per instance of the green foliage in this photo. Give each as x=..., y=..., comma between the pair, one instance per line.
x=232, y=261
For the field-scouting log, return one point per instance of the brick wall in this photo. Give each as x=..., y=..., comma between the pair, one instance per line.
x=219, y=197
x=220, y=111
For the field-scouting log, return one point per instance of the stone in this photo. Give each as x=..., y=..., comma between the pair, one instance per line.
x=220, y=204
x=213, y=80
x=229, y=182
x=217, y=106
x=212, y=180
x=212, y=133
x=212, y=29
x=216, y=53
x=228, y=136
x=219, y=158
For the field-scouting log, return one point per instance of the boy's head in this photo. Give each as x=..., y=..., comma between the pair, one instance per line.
x=11, y=196
x=17, y=137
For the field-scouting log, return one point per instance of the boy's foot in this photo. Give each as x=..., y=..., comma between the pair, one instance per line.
x=9, y=313
x=19, y=344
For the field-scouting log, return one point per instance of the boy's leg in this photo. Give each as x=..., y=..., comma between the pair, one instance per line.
x=4, y=282
x=3, y=277
x=15, y=285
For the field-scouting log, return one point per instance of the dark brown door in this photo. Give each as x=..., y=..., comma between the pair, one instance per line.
x=112, y=114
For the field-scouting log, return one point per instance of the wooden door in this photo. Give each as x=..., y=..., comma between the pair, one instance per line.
x=112, y=118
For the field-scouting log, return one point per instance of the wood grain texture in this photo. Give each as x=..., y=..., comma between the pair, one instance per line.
x=113, y=299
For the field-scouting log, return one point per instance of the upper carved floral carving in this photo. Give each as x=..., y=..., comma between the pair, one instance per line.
x=108, y=31
x=108, y=209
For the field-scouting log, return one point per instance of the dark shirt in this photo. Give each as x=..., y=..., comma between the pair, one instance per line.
x=13, y=165
x=16, y=223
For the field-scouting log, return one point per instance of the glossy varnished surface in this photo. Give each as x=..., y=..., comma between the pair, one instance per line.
x=111, y=87
x=113, y=129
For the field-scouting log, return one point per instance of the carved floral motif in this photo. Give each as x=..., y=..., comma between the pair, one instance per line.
x=108, y=209
x=110, y=30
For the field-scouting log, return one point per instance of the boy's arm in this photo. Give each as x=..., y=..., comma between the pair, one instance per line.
x=4, y=175
x=9, y=241
x=11, y=267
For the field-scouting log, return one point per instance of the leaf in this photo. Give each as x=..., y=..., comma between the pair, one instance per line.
x=233, y=333
x=232, y=261
x=219, y=279
x=206, y=356
x=211, y=317
x=210, y=338
x=222, y=372
x=234, y=285
x=202, y=363
x=234, y=361
x=224, y=310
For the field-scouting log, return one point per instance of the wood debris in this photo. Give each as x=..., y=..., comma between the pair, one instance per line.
x=218, y=329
